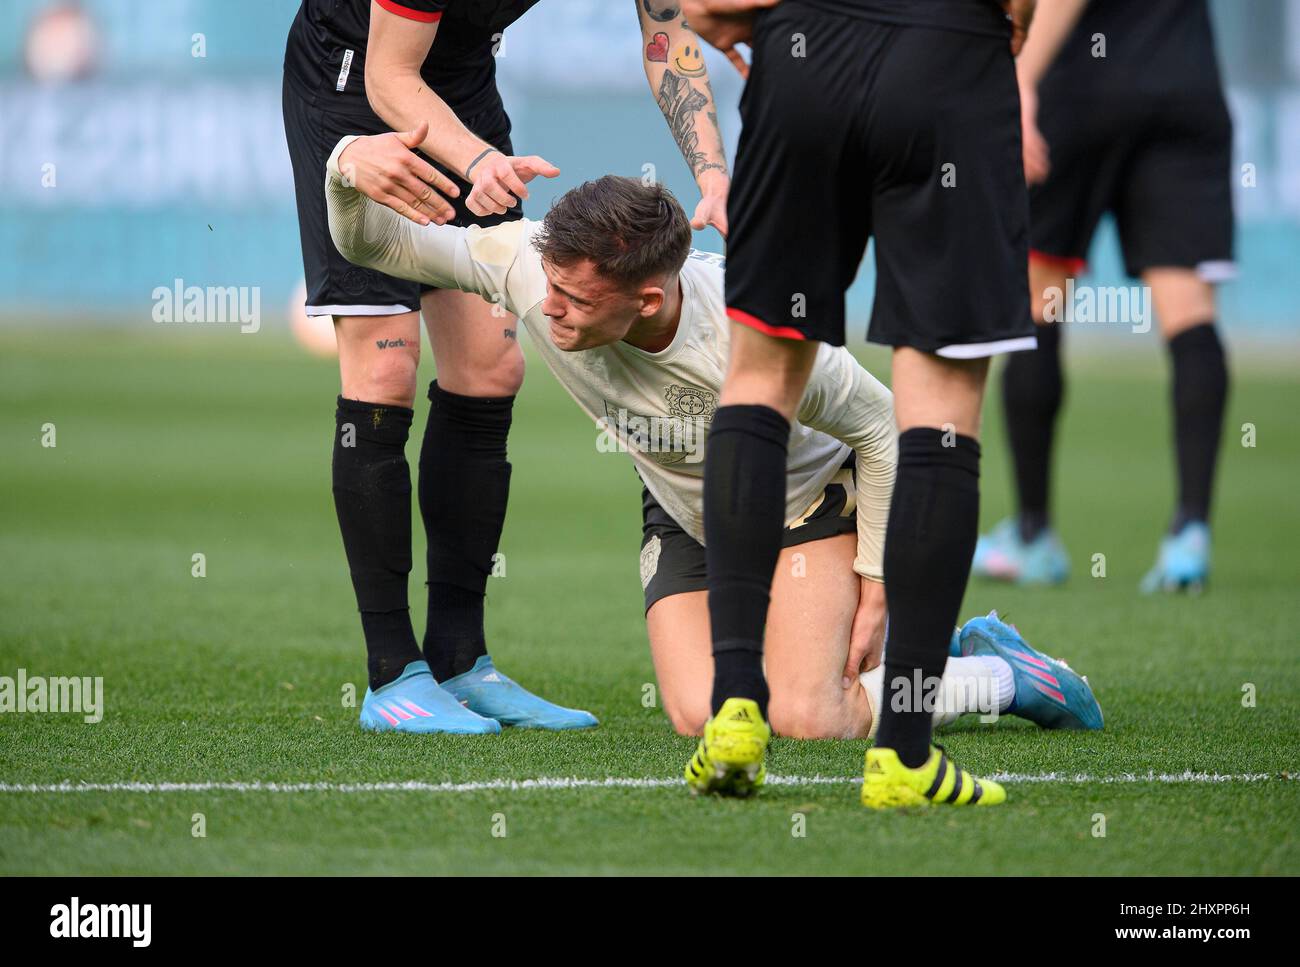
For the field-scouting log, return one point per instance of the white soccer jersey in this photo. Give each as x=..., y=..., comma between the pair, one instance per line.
x=656, y=405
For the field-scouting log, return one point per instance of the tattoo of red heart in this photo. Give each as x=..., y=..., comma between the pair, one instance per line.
x=657, y=49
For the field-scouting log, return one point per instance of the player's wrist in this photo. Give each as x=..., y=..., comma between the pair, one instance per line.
x=478, y=160
x=713, y=179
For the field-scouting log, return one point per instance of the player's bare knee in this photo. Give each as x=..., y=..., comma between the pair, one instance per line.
x=484, y=375
x=808, y=715
x=689, y=721
x=1047, y=282
x=507, y=375
x=687, y=716
x=1181, y=299
x=388, y=376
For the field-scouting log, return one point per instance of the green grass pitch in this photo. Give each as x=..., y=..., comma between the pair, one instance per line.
x=172, y=443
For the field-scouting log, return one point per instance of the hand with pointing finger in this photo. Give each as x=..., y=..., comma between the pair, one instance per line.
x=500, y=180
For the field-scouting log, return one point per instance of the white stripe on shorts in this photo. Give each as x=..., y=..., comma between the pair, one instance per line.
x=978, y=350
x=356, y=310
x=1222, y=270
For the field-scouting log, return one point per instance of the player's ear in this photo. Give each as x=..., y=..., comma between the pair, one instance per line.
x=652, y=300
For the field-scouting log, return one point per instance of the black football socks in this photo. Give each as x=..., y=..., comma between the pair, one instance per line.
x=1200, y=394
x=744, y=514
x=372, y=497
x=1032, y=390
x=464, y=486
x=933, y=523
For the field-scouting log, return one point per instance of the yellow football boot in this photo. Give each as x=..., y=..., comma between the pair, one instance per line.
x=888, y=784
x=729, y=761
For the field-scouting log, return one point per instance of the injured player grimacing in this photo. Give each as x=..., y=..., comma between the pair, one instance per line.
x=633, y=325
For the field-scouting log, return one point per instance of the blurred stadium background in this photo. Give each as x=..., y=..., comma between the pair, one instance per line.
x=142, y=142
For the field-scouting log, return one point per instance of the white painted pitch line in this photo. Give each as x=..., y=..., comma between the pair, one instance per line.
x=561, y=783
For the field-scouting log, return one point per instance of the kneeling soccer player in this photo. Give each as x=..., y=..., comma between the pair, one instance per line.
x=634, y=326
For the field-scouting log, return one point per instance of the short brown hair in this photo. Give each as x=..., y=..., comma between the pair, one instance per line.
x=631, y=231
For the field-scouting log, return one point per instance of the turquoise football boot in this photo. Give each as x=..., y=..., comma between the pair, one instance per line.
x=414, y=702
x=1048, y=692
x=1183, y=563
x=994, y=552
x=1002, y=556
x=490, y=693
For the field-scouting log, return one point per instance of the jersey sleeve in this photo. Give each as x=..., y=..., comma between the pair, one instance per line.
x=846, y=402
x=497, y=263
x=423, y=11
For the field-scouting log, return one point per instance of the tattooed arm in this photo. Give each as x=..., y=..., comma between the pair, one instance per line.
x=674, y=66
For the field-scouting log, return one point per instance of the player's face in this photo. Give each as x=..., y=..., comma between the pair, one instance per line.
x=586, y=310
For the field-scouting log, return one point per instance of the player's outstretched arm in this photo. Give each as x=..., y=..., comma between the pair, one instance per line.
x=395, y=51
x=679, y=81
x=375, y=236
x=387, y=170
x=843, y=400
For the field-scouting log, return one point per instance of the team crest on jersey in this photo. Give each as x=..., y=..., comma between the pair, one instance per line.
x=649, y=561
x=667, y=440
x=688, y=401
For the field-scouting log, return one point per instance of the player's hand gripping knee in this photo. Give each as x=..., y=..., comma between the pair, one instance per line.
x=867, y=638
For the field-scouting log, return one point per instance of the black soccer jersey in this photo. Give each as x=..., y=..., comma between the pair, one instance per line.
x=1148, y=47
x=971, y=16
x=326, y=54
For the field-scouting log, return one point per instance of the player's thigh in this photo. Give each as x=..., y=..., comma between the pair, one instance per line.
x=674, y=581
x=950, y=210
x=681, y=646
x=814, y=597
x=1181, y=299
x=1047, y=280
x=934, y=391
x=475, y=344
x=767, y=370
x=379, y=357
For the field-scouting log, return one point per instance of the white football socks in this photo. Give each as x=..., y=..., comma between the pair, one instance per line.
x=980, y=683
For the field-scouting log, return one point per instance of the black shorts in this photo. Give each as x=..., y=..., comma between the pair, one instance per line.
x=1161, y=164
x=907, y=134
x=334, y=285
x=672, y=562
